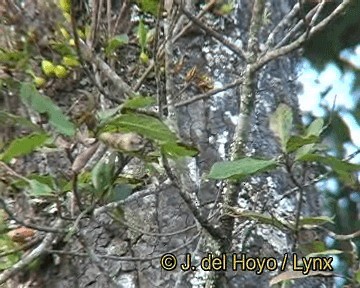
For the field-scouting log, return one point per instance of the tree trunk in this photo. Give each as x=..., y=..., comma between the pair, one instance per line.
x=168, y=218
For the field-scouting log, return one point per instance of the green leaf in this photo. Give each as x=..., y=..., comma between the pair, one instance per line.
x=240, y=168
x=116, y=42
x=178, y=150
x=295, y=142
x=42, y=104
x=6, y=245
x=312, y=247
x=23, y=146
x=39, y=189
x=226, y=8
x=11, y=119
x=148, y=126
x=339, y=166
x=357, y=276
x=120, y=192
x=13, y=58
x=62, y=48
x=304, y=150
x=102, y=175
x=288, y=276
x=312, y=222
x=149, y=6
x=281, y=124
x=262, y=218
x=323, y=253
x=316, y=127
x=47, y=180
x=105, y=115
x=142, y=32
x=139, y=102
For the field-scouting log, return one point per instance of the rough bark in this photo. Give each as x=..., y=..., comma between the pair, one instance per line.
x=209, y=124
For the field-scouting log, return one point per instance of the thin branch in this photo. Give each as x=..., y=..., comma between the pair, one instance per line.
x=185, y=195
x=150, y=190
x=296, y=28
x=208, y=94
x=271, y=55
x=160, y=52
x=23, y=223
x=34, y=254
x=237, y=50
x=285, y=22
x=127, y=258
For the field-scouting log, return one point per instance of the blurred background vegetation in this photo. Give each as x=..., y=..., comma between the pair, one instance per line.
x=330, y=73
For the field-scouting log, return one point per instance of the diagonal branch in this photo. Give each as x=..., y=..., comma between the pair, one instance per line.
x=271, y=55
x=34, y=254
x=237, y=50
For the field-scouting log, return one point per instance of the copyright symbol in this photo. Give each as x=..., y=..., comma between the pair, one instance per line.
x=168, y=262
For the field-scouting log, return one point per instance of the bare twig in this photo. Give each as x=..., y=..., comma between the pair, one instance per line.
x=127, y=258
x=237, y=50
x=23, y=222
x=296, y=28
x=285, y=22
x=276, y=53
x=160, y=52
x=151, y=189
x=208, y=94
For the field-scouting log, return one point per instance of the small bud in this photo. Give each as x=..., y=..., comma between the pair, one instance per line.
x=47, y=67
x=60, y=71
x=144, y=58
x=39, y=81
x=70, y=61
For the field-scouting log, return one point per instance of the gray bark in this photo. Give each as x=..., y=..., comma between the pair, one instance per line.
x=208, y=124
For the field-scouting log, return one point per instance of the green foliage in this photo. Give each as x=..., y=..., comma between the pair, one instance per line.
x=119, y=192
x=342, y=168
x=63, y=49
x=6, y=245
x=338, y=132
x=240, y=168
x=39, y=189
x=11, y=119
x=281, y=124
x=357, y=276
x=23, y=146
x=14, y=59
x=139, y=102
x=142, y=35
x=314, y=130
x=102, y=175
x=295, y=142
x=148, y=126
x=115, y=43
x=149, y=6
x=262, y=218
x=340, y=34
x=42, y=104
x=178, y=150
x=316, y=221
